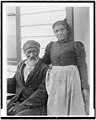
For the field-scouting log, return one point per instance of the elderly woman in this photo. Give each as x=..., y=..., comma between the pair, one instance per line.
x=67, y=81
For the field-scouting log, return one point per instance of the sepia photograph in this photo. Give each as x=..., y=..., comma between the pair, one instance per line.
x=48, y=59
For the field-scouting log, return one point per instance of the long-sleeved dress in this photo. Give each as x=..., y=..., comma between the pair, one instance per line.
x=66, y=78
x=31, y=93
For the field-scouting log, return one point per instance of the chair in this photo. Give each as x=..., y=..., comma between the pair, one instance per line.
x=11, y=87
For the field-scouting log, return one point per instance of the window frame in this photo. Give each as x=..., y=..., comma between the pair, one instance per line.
x=11, y=61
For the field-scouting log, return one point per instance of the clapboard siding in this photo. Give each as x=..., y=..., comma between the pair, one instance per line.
x=36, y=24
x=37, y=31
x=42, y=18
x=37, y=8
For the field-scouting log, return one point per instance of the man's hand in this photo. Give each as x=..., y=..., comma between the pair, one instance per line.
x=17, y=108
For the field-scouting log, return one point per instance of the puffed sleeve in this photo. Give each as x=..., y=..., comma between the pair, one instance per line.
x=81, y=64
x=46, y=58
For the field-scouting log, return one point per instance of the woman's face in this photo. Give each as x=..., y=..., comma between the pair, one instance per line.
x=60, y=32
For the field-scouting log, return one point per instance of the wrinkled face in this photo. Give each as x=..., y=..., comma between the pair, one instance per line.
x=60, y=32
x=31, y=54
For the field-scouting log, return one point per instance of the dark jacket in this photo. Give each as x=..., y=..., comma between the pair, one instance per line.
x=32, y=93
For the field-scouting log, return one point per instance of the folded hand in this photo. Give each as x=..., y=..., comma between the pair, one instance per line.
x=17, y=108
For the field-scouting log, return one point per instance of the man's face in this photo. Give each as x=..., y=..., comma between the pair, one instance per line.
x=32, y=54
x=60, y=32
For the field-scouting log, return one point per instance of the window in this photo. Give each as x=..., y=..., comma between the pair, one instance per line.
x=11, y=34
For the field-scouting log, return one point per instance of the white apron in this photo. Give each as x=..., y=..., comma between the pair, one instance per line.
x=64, y=91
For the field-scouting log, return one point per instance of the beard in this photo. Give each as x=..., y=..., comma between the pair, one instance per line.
x=32, y=60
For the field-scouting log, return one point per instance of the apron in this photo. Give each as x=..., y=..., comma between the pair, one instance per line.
x=64, y=91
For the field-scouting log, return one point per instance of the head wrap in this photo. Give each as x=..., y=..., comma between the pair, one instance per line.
x=31, y=44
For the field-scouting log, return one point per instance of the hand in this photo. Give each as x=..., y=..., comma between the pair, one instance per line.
x=86, y=100
x=85, y=94
x=9, y=109
x=17, y=108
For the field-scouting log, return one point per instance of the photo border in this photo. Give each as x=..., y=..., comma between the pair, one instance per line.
x=2, y=2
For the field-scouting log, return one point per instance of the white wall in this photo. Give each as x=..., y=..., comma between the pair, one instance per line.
x=82, y=29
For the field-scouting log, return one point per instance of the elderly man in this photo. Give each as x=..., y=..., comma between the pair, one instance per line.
x=31, y=95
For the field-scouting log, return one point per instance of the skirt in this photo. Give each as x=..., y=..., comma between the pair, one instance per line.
x=63, y=86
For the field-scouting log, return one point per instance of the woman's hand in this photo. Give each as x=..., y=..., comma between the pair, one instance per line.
x=85, y=94
x=86, y=100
